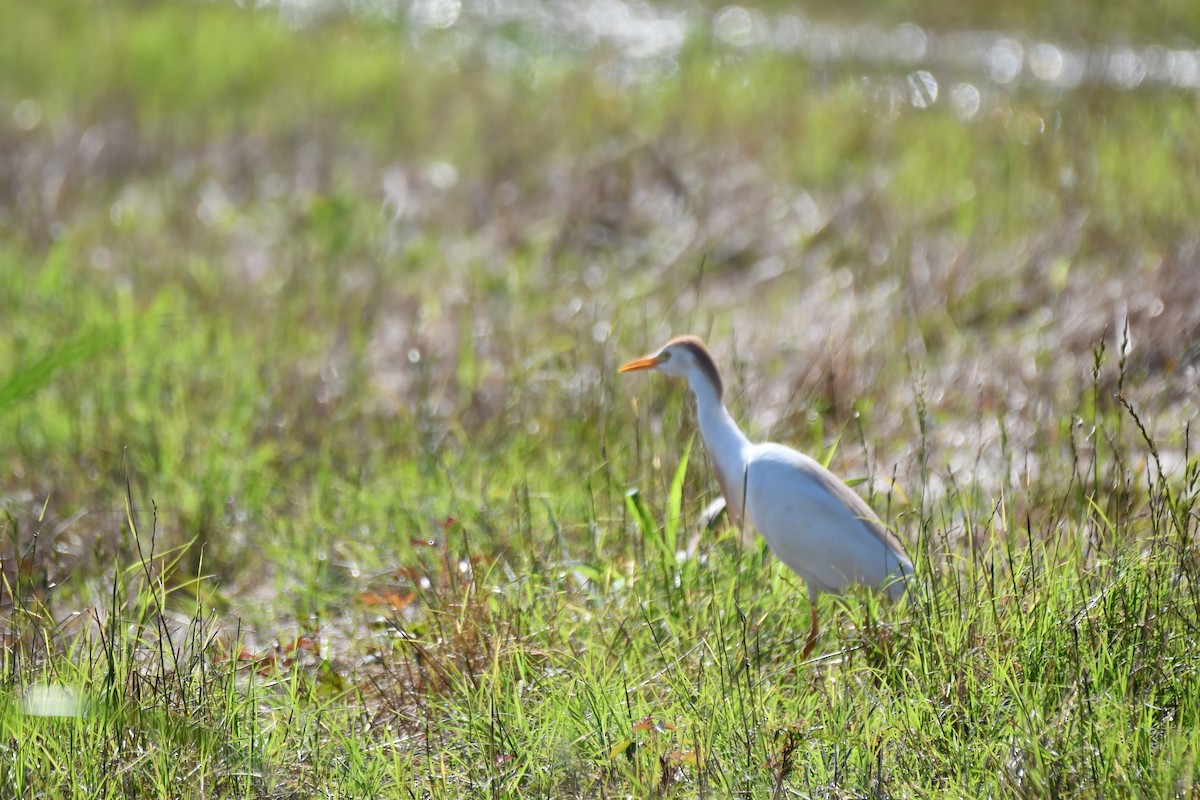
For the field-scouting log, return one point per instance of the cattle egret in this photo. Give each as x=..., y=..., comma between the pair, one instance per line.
x=812, y=521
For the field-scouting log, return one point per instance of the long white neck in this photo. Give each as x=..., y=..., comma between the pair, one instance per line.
x=726, y=444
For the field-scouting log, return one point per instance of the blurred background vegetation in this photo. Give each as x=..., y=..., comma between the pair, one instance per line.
x=440, y=223
x=311, y=285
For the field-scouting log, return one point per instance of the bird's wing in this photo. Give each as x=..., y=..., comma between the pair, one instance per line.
x=816, y=524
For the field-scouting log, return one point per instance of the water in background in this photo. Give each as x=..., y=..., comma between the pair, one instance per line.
x=959, y=68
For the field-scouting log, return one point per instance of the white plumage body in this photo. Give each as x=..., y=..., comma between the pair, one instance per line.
x=817, y=526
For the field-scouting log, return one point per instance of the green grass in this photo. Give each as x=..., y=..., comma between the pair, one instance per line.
x=317, y=472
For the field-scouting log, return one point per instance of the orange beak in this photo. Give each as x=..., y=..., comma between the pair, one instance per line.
x=649, y=362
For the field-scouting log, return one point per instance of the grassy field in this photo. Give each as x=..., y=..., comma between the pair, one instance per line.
x=317, y=478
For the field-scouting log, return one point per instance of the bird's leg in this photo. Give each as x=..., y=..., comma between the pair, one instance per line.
x=812, y=635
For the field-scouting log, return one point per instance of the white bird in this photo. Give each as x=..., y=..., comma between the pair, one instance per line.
x=812, y=521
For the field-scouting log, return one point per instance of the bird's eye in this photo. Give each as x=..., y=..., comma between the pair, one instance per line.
x=665, y=355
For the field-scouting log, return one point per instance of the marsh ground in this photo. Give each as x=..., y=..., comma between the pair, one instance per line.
x=317, y=472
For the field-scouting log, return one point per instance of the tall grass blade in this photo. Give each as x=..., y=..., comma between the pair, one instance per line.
x=29, y=378
x=675, y=503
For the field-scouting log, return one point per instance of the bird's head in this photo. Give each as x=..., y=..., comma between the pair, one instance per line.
x=684, y=357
